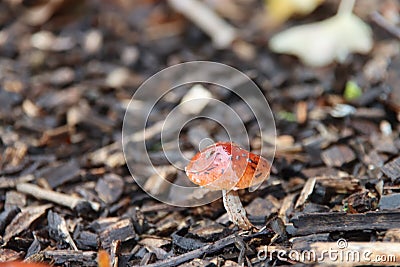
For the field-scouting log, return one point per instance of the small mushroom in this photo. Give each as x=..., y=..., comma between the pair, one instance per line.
x=226, y=166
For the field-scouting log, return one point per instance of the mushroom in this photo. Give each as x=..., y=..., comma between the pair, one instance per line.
x=226, y=166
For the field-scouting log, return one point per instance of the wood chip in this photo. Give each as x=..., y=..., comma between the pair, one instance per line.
x=122, y=230
x=286, y=208
x=339, y=221
x=14, y=199
x=392, y=235
x=58, y=229
x=392, y=169
x=160, y=182
x=10, y=255
x=60, y=173
x=260, y=207
x=390, y=202
x=6, y=182
x=6, y=216
x=56, y=136
x=306, y=192
x=71, y=257
x=23, y=220
x=301, y=112
x=85, y=240
x=155, y=242
x=338, y=155
x=110, y=188
x=208, y=231
x=110, y=155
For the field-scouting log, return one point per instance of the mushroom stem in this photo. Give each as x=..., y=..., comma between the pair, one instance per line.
x=235, y=209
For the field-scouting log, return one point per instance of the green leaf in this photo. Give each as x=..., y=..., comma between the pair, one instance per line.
x=286, y=115
x=352, y=91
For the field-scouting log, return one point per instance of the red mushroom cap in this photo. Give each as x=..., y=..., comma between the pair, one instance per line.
x=226, y=166
x=22, y=264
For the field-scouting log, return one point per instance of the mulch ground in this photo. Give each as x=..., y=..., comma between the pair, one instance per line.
x=67, y=74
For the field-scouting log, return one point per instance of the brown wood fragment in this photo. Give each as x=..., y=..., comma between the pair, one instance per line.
x=58, y=229
x=392, y=235
x=110, y=155
x=230, y=263
x=390, y=202
x=160, y=253
x=301, y=112
x=6, y=182
x=197, y=262
x=156, y=242
x=341, y=183
x=365, y=127
x=186, y=243
x=122, y=230
x=160, y=182
x=392, y=169
x=14, y=199
x=306, y=192
x=339, y=221
x=110, y=188
x=6, y=216
x=13, y=157
x=384, y=144
x=71, y=257
x=338, y=155
x=260, y=209
x=23, y=220
x=115, y=251
x=286, y=207
x=362, y=201
x=208, y=231
x=33, y=249
x=85, y=240
x=56, y=136
x=60, y=173
x=55, y=197
x=10, y=255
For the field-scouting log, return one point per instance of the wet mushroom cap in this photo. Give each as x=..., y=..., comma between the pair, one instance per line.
x=227, y=166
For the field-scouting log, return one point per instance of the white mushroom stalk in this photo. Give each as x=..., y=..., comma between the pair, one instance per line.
x=235, y=209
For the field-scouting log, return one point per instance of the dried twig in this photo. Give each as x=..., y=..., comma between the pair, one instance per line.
x=220, y=244
x=383, y=23
x=56, y=197
x=6, y=182
x=211, y=248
